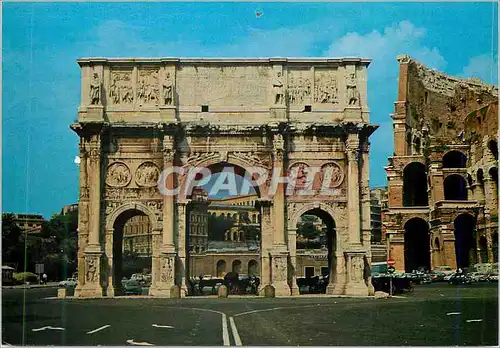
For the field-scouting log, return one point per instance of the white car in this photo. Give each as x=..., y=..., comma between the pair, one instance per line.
x=68, y=282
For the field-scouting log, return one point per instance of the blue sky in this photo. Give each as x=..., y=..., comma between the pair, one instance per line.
x=42, y=41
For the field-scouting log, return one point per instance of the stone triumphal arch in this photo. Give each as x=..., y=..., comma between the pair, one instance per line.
x=140, y=116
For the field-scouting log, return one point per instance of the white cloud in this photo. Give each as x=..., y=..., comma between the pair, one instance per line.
x=484, y=66
x=384, y=47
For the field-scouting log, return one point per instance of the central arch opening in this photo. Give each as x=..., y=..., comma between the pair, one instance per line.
x=315, y=251
x=223, y=233
x=132, y=253
x=417, y=246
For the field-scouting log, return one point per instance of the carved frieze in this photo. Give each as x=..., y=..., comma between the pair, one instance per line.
x=299, y=86
x=280, y=268
x=253, y=158
x=357, y=266
x=120, y=89
x=325, y=87
x=167, y=269
x=91, y=269
x=333, y=173
x=298, y=174
x=196, y=158
x=118, y=175
x=148, y=90
x=147, y=174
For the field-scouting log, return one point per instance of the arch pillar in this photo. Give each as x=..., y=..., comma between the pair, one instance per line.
x=355, y=285
x=180, y=260
x=91, y=272
x=292, y=267
x=111, y=291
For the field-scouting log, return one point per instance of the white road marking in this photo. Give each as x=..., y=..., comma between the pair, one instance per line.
x=132, y=342
x=165, y=326
x=225, y=335
x=236, y=336
x=453, y=313
x=98, y=329
x=277, y=308
x=474, y=320
x=48, y=328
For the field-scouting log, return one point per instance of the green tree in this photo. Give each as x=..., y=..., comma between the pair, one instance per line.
x=12, y=241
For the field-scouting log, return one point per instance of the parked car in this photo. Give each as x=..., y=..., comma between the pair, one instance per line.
x=438, y=276
x=460, y=278
x=492, y=277
x=68, y=282
x=132, y=287
x=444, y=269
x=448, y=276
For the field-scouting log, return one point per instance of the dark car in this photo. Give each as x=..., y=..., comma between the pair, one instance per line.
x=132, y=287
x=460, y=278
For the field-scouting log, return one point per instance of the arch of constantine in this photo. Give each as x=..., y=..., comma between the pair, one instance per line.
x=139, y=117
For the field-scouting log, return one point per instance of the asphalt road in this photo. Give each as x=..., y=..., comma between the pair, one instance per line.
x=434, y=314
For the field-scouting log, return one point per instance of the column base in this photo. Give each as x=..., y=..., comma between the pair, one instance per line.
x=163, y=290
x=89, y=290
x=356, y=289
x=111, y=292
x=281, y=288
x=295, y=290
x=335, y=289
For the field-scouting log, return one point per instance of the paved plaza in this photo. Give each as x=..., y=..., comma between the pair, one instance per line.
x=435, y=314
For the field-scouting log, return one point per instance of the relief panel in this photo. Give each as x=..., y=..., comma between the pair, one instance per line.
x=325, y=86
x=299, y=86
x=120, y=88
x=223, y=86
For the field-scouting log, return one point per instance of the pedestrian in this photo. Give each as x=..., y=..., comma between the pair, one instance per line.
x=44, y=277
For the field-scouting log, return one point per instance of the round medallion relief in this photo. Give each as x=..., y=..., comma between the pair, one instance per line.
x=333, y=174
x=147, y=174
x=298, y=173
x=118, y=175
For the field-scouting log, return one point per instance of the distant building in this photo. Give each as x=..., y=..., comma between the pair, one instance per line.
x=29, y=223
x=378, y=204
x=69, y=208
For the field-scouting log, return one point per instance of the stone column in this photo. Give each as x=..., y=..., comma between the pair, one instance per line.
x=266, y=242
x=180, y=265
x=352, y=152
x=490, y=193
x=292, y=248
x=165, y=263
x=489, y=239
x=448, y=247
x=83, y=216
x=278, y=207
x=478, y=192
x=338, y=274
x=111, y=290
x=279, y=253
x=93, y=251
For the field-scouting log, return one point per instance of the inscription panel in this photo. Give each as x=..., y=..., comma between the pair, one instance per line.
x=224, y=85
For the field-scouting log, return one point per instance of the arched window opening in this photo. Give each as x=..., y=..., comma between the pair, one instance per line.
x=221, y=268
x=236, y=266
x=455, y=188
x=415, y=185
x=454, y=159
x=252, y=268
x=493, y=147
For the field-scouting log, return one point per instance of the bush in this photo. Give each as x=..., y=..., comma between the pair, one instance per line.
x=24, y=277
